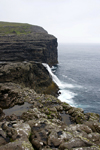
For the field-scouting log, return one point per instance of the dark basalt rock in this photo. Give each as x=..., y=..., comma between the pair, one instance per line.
x=43, y=127
x=30, y=74
x=2, y=115
x=15, y=135
x=24, y=42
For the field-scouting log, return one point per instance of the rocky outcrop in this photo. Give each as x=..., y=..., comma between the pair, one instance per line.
x=15, y=135
x=42, y=126
x=24, y=42
x=30, y=74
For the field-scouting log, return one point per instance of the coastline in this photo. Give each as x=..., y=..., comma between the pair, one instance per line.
x=47, y=123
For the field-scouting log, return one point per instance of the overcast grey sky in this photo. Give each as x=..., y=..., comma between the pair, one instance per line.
x=71, y=21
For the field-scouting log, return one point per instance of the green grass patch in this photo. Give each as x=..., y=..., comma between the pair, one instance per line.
x=15, y=28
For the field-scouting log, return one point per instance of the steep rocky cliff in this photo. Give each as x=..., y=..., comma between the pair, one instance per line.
x=31, y=74
x=24, y=42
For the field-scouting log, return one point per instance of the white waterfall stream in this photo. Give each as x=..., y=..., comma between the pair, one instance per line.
x=66, y=95
x=54, y=77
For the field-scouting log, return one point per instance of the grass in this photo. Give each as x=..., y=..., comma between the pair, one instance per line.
x=15, y=28
x=12, y=24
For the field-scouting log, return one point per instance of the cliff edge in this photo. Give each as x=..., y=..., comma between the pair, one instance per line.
x=25, y=42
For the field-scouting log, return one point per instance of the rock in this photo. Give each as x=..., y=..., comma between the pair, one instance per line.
x=2, y=115
x=25, y=42
x=84, y=128
x=32, y=114
x=94, y=137
x=51, y=112
x=52, y=89
x=53, y=109
x=53, y=140
x=66, y=106
x=7, y=97
x=77, y=115
x=74, y=143
x=93, y=116
x=59, y=108
x=18, y=145
x=30, y=74
x=12, y=117
x=86, y=148
x=2, y=141
x=16, y=134
x=44, y=134
x=79, y=118
x=46, y=128
x=94, y=125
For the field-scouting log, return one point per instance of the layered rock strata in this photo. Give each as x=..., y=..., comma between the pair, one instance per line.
x=24, y=42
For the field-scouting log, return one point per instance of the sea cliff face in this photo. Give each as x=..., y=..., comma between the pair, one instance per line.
x=24, y=42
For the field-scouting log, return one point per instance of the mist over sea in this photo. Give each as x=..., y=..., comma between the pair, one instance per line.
x=79, y=73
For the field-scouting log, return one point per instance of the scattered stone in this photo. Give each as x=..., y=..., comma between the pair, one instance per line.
x=2, y=115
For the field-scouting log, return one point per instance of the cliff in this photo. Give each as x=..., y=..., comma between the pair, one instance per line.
x=28, y=74
x=25, y=42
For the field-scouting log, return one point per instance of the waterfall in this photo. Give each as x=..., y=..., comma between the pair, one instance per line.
x=60, y=84
x=66, y=95
x=54, y=77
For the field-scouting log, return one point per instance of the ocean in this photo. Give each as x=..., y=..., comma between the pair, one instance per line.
x=78, y=75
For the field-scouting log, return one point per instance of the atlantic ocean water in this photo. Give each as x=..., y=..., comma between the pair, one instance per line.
x=78, y=72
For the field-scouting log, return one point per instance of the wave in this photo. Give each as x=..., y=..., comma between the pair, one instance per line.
x=67, y=96
x=68, y=78
x=65, y=76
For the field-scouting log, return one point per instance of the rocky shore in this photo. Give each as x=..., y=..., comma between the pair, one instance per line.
x=46, y=124
x=31, y=116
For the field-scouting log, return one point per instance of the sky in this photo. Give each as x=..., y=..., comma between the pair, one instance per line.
x=70, y=21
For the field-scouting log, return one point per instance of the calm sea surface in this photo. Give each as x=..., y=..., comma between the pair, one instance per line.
x=79, y=72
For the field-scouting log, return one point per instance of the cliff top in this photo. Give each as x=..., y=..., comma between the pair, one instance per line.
x=21, y=31
x=25, y=42
x=19, y=28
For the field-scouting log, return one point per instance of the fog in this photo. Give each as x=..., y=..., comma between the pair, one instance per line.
x=71, y=21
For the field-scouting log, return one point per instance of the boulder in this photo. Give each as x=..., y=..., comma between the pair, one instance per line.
x=15, y=135
x=2, y=115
